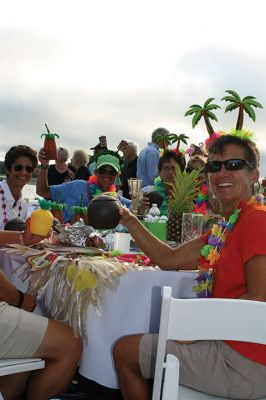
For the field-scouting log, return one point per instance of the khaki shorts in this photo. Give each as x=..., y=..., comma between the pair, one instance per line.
x=21, y=332
x=210, y=367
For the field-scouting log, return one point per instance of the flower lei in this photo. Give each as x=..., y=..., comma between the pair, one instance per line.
x=159, y=187
x=4, y=206
x=211, y=252
x=200, y=203
x=95, y=189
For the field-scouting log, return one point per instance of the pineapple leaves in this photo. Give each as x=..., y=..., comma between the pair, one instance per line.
x=184, y=191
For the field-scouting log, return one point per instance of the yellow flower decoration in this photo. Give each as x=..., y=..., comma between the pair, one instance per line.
x=213, y=256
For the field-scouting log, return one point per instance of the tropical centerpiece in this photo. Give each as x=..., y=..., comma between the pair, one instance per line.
x=183, y=193
x=79, y=212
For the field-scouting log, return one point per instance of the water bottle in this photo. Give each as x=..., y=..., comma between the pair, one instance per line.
x=154, y=210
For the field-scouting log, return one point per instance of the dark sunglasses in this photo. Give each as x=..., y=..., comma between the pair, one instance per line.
x=19, y=167
x=230, y=165
x=107, y=171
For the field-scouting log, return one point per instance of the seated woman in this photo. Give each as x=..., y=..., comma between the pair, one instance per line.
x=237, y=254
x=26, y=335
x=166, y=169
x=20, y=162
x=77, y=191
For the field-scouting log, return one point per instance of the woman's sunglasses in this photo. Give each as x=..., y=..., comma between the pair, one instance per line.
x=107, y=171
x=19, y=167
x=230, y=165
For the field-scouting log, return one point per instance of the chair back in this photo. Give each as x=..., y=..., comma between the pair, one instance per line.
x=207, y=319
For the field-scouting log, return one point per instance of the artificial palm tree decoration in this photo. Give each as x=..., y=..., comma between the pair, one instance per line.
x=171, y=139
x=182, y=195
x=243, y=105
x=206, y=112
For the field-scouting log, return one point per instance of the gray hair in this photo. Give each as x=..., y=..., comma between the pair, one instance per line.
x=159, y=132
x=62, y=153
x=133, y=145
x=80, y=158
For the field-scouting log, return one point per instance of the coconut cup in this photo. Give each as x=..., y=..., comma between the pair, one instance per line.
x=16, y=224
x=155, y=198
x=103, y=212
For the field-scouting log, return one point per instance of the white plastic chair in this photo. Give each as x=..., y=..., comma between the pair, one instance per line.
x=189, y=319
x=14, y=366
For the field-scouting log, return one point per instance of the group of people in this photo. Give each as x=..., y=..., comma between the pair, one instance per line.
x=233, y=254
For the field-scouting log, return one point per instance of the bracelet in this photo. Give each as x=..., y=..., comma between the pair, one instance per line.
x=21, y=239
x=21, y=299
x=43, y=166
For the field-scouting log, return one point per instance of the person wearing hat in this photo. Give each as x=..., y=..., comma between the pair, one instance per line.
x=76, y=192
x=97, y=150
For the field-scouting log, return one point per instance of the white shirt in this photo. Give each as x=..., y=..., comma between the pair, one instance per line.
x=11, y=210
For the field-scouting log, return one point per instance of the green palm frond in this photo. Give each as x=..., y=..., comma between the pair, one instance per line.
x=230, y=98
x=196, y=119
x=249, y=100
x=234, y=94
x=250, y=112
x=231, y=107
x=193, y=110
x=211, y=115
x=212, y=107
x=207, y=102
x=184, y=191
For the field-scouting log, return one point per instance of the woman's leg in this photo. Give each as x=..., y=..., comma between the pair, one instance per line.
x=11, y=386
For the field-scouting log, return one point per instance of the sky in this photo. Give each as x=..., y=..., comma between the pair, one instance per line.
x=123, y=68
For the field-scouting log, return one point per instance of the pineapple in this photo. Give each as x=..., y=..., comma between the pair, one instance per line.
x=41, y=219
x=79, y=212
x=183, y=193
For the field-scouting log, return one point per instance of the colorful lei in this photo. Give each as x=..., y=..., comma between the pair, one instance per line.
x=159, y=187
x=200, y=203
x=211, y=252
x=95, y=189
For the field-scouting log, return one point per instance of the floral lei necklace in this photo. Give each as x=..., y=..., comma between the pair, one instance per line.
x=95, y=189
x=211, y=252
x=200, y=203
x=5, y=220
x=159, y=187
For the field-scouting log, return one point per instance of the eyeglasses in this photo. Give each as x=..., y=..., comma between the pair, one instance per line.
x=107, y=171
x=19, y=167
x=230, y=165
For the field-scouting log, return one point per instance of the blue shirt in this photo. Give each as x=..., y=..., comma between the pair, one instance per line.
x=70, y=194
x=147, y=165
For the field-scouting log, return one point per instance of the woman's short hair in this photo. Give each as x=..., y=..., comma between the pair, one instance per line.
x=62, y=153
x=133, y=145
x=80, y=158
x=251, y=151
x=20, y=151
x=172, y=155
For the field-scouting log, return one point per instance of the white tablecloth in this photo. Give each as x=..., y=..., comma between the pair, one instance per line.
x=134, y=307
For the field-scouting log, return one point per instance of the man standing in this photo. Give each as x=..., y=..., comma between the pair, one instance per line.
x=129, y=169
x=147, y=164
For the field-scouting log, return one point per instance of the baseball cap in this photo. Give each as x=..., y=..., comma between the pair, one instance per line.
x=108, y=159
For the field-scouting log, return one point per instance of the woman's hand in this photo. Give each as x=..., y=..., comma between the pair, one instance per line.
x=30, y=238
x=29, y=302
x=144, y=204
x=42, y=157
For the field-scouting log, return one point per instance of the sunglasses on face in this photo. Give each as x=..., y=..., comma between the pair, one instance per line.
x=107, y=171
x=230, y=165
x=19, y=167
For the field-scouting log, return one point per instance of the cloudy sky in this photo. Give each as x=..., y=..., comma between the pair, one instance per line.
x=122, y=68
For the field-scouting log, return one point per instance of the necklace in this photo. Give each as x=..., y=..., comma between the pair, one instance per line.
x=95, y=189
x=159, y=187
x=5, y=219
x=211, y=252
x=200, y=203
